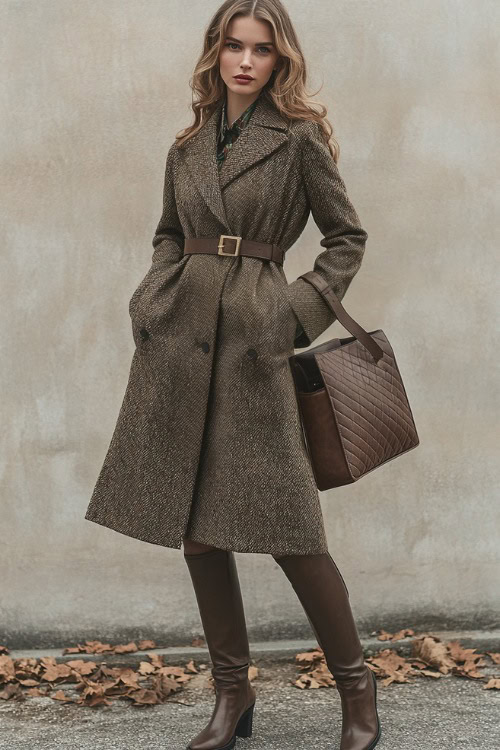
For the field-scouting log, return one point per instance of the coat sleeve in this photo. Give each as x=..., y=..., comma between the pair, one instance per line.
x=168, y=241
x=343, y=237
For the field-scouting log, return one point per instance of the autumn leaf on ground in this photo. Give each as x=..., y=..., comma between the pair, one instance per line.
x=90, y=647
x=467, y=660
x=54, y=671
x=495, y=658
x=177, y=673
x=165, y=686
x=433, y=652
x=81, y=666
x=307, y=658
x=94, y=693
x=7, y=670
x=128, y=677
x=385, y=636
x=144, y=645
x=390, y=664
x=143, y=697
x=460, y=654
x=127, y=648
x=494, y=683
x=317, y=675
x=191, y=666
x=12, y=691
x=60, y=696
x=156, y=660
x=27, y=668
x=145, y=667
x=97, y=647
x=109, y=671
x=430, y=673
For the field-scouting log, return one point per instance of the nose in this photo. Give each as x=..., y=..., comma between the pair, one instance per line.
x=246, y=62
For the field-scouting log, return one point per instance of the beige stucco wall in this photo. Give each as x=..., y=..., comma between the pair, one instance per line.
x=92, y=95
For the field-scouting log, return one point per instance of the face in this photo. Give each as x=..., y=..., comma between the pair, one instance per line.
x=247, y=50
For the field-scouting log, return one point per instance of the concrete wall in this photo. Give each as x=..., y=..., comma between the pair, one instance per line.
x=92, y=95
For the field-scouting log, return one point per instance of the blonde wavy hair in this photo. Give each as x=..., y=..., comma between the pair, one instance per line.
x=286, y=87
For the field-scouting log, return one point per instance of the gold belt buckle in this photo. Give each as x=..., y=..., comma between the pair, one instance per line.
x=220, y=246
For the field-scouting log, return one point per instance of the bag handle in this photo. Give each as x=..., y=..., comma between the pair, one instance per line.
x=342, y=315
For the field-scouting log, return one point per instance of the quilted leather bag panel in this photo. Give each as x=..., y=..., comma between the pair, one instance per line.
x=353, y=404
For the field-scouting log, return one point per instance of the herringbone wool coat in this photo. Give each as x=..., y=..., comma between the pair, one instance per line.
x=208, y=442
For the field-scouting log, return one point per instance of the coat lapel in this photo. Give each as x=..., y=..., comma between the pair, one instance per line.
x=265, y=132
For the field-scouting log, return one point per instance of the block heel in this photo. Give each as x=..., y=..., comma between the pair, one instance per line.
x=244, y=726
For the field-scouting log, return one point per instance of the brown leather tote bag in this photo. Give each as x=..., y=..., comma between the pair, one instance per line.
x=352, y=402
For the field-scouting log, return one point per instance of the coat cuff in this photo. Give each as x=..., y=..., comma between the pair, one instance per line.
x=312, y=311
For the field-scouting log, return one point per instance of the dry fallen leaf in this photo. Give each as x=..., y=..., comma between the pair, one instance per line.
x=154, y=682
x=7, y=670
x=317, y=675
x=145, y=667
x=178, y=673
x=127, y=648
x=494, y=683
x=156, y=660
x=495, y=658
x=54, y=671
x=191, y=667
x=36, y=692
x=81, y=666
x=60, y=696
x=144, y=645
x=12, y=691
x=428, y=651
x=433, y=652
x=307, y=658
x=253, y=672
x=385, y=636
x=392, y=666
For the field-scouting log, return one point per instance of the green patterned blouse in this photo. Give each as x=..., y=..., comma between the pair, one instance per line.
x=227, y=136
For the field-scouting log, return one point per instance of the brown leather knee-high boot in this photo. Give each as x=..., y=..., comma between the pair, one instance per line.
x=324, y=596
x=216, y=585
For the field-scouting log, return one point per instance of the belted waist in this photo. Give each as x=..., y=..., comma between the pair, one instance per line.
x=227, y=244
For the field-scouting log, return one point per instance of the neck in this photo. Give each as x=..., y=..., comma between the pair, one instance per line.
x=236, y=104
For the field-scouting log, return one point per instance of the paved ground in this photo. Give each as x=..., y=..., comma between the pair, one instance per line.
x=451, y=713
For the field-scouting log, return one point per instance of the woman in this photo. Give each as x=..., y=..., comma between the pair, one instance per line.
x=208, y=449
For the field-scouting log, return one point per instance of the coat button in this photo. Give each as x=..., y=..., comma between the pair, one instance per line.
x=144, y=334
x=251, y=353
x=205, y=346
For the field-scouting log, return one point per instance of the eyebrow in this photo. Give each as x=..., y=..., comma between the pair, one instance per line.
x=257, y=44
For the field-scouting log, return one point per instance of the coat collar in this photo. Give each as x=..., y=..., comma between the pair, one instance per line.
x=265, y=132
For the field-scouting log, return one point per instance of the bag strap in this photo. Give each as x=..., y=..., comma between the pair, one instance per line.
x=342, y=315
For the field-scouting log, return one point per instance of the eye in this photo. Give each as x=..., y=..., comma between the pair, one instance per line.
x=233, y=45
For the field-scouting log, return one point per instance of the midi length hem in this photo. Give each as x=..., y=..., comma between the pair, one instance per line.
x=224, y=544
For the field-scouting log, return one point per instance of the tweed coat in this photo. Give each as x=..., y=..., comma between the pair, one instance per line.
x=208, y=442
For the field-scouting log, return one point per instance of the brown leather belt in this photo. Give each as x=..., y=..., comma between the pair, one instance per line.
x=232, y=245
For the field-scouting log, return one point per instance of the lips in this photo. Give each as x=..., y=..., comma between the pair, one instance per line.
x=244, y=78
